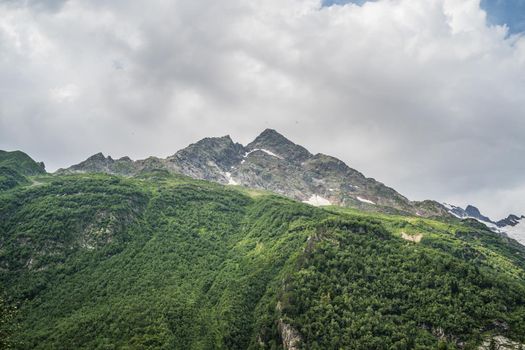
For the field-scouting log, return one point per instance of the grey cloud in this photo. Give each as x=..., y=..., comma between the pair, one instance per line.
x=37, y=5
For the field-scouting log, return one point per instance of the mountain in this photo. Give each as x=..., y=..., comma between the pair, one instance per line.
x=512, y=226
x=470, y=211
x=474, y=212
x=511, y=220
x=271, y=162
x=157, y=260
x=21, y=162
x=15, y=166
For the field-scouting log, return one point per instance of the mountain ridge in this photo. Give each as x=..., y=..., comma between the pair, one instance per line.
x=271, y=162
x=512, y=226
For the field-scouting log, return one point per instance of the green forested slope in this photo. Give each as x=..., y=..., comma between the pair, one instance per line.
x=20, y=162
x=15, y=166
x=161, y=261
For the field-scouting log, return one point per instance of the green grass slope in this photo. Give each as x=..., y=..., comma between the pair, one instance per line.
x=21, y=162
x=10, y=178
x=15, y=167
x=165, y=262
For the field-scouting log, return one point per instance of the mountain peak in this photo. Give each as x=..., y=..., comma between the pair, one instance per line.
x=97, y=157
x=208, y=158
x=511, y=220
x=212, y=142
x=275, y=142
x=472, y=210
x=271, y=136
x=270, y=133
x=270, y=162
x=21, y=162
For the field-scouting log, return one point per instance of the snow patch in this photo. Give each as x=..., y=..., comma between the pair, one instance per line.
x=317, y=201
x=456, y=215
x=453, y=210
x=449, y=206
x=516, y=232
x=364, y=200
x=490, y=225
x=262, y=150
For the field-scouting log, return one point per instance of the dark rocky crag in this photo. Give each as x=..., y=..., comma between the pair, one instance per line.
x=512, y=220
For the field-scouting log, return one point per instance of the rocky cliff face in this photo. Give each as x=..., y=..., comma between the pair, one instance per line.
x=271, y=162
x=209, y=159
x=513, y=226
x=512, y=220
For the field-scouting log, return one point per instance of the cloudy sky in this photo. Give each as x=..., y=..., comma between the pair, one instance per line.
x=426, y=96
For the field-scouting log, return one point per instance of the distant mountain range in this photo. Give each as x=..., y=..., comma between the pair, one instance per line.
x=513, y=225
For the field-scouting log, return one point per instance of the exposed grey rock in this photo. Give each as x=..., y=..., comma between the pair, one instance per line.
x=209, y=159
x=501, y=343
x=274, y=142
x=511, y=220
x=290, y=337
x=474, y=212
x=271, y=162
x=469, y=212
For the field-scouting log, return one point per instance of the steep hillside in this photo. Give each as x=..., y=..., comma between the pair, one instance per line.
x=15, y=167
x=271, y=162
x=21, y=162
x=161, y=261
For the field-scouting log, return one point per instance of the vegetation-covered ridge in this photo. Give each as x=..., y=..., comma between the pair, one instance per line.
x=161, y=261
x=15, y=166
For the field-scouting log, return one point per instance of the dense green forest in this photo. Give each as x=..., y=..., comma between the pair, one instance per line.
x=159, y=261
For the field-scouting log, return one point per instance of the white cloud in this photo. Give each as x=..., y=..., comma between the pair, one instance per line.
x=421, y=94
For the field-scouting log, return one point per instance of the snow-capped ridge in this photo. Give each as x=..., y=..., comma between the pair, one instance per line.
x=513, y=226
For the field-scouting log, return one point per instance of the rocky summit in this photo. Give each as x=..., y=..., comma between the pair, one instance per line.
x=274, y=163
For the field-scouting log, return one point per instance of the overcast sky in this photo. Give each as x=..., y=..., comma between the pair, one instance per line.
x=427, y=96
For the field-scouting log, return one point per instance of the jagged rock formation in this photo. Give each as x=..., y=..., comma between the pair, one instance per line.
x=513, y=226
x=470, y=212
x=271, y=162
x=511, y=220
